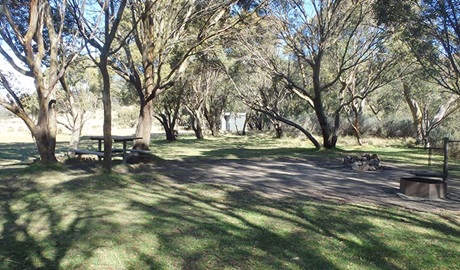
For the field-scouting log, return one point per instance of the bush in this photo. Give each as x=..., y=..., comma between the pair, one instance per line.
x=128, y=116
x=372, y=127
x=396, y=128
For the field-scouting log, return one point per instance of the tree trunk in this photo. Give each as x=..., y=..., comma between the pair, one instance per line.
x=107, y=127
x=214, y=125
x=144, y=126
x=212, y=116
x=278, y=130
x=329, y=139
x=355, y=123
x=44, y=132
x=290, y=123
x=417, y=115
x=196, y=125
x=76, y=132
x=168, y=126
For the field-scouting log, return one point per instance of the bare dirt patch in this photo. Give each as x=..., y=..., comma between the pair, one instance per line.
x=316, y=179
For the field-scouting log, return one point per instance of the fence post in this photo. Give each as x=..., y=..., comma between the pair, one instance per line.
x=446, y=159
x=430, y=153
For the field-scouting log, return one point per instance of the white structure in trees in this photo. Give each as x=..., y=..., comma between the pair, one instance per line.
x=233, y=122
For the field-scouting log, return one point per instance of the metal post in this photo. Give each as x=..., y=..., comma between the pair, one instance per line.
x=446, y=160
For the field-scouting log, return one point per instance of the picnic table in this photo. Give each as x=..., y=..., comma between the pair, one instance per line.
x=100, y=151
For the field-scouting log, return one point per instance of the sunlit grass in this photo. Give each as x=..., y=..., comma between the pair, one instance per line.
x=147, y=221
x=266, y=146
x=76, y=218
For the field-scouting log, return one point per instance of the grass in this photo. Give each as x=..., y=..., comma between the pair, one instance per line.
x=74, y=218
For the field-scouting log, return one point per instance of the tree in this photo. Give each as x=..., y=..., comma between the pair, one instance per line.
x=165, y=38
x=206, y=93
x=364, y=79
x=44, y=48
x=268, y=95
x=99, y=30
x=432, y=31
x=323, y=40
x=78, y=99
x=429, y=108
x=168, y=109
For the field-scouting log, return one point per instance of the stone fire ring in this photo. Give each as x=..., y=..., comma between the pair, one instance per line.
x=423, y=187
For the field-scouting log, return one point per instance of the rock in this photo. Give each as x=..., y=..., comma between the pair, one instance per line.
x=366, y=162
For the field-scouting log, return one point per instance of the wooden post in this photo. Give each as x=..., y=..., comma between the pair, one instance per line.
x=446, y=160
x=430, y=152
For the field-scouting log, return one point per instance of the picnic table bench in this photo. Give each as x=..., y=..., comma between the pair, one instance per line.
x=100, y=153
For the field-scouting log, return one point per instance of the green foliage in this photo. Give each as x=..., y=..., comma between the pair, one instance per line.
x=127, y=116
x=30, y=104
x=432, y=31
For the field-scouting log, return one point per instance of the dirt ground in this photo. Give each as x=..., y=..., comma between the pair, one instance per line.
x=323, y=180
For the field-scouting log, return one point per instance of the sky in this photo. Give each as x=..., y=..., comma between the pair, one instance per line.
x=19, y=81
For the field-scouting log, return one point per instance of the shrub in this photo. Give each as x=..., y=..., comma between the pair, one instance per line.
x=128, y=116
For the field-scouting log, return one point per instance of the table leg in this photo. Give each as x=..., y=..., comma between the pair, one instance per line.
x=99, y=148
x=124, y=152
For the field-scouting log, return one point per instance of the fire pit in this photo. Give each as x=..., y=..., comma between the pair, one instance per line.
x=423, y=187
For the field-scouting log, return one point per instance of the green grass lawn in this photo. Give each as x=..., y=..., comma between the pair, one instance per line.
x=67, y=218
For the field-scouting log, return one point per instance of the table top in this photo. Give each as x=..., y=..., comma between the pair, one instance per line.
x=117, y=138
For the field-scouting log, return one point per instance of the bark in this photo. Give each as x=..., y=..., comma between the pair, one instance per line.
x=76, y=132
x=168, y=122
x=196, y=121
x=356, y=126
x=278, y=130
x=197, y=126
x=75, y=124
x=107, y=126
x=44, y=131
x=212, y=114
x=417, y=115
x=329, y=138
x=144, y=126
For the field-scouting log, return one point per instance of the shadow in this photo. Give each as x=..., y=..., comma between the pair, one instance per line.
x=242, y=229
x=221, y=214
x=17, y=151
x=293, y=208
x=41, y=226
x=287, y=177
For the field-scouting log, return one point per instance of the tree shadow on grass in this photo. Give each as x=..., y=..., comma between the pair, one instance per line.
x=25, y=151
x=242, y=230
x=17, y=151
x=39, y=228
x=168, y=218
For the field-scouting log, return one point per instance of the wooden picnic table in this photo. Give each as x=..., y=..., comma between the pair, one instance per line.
x=123, y=139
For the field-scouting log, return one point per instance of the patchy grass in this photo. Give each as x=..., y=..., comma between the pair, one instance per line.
x=74, y=218
x=71, y=220
x=265, y=146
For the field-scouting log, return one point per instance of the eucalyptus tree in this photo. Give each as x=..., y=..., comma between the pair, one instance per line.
x=268, y=95
x=168, y=107
x=79, y=97
x=361, y=81
x=166, y=34
x=36, y=41
x=429, y=109
x=432, y=31
x=98, y=23
x=206, y=93
x=322, y=40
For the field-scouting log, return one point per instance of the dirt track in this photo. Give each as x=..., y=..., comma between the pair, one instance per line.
x=316, y=179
